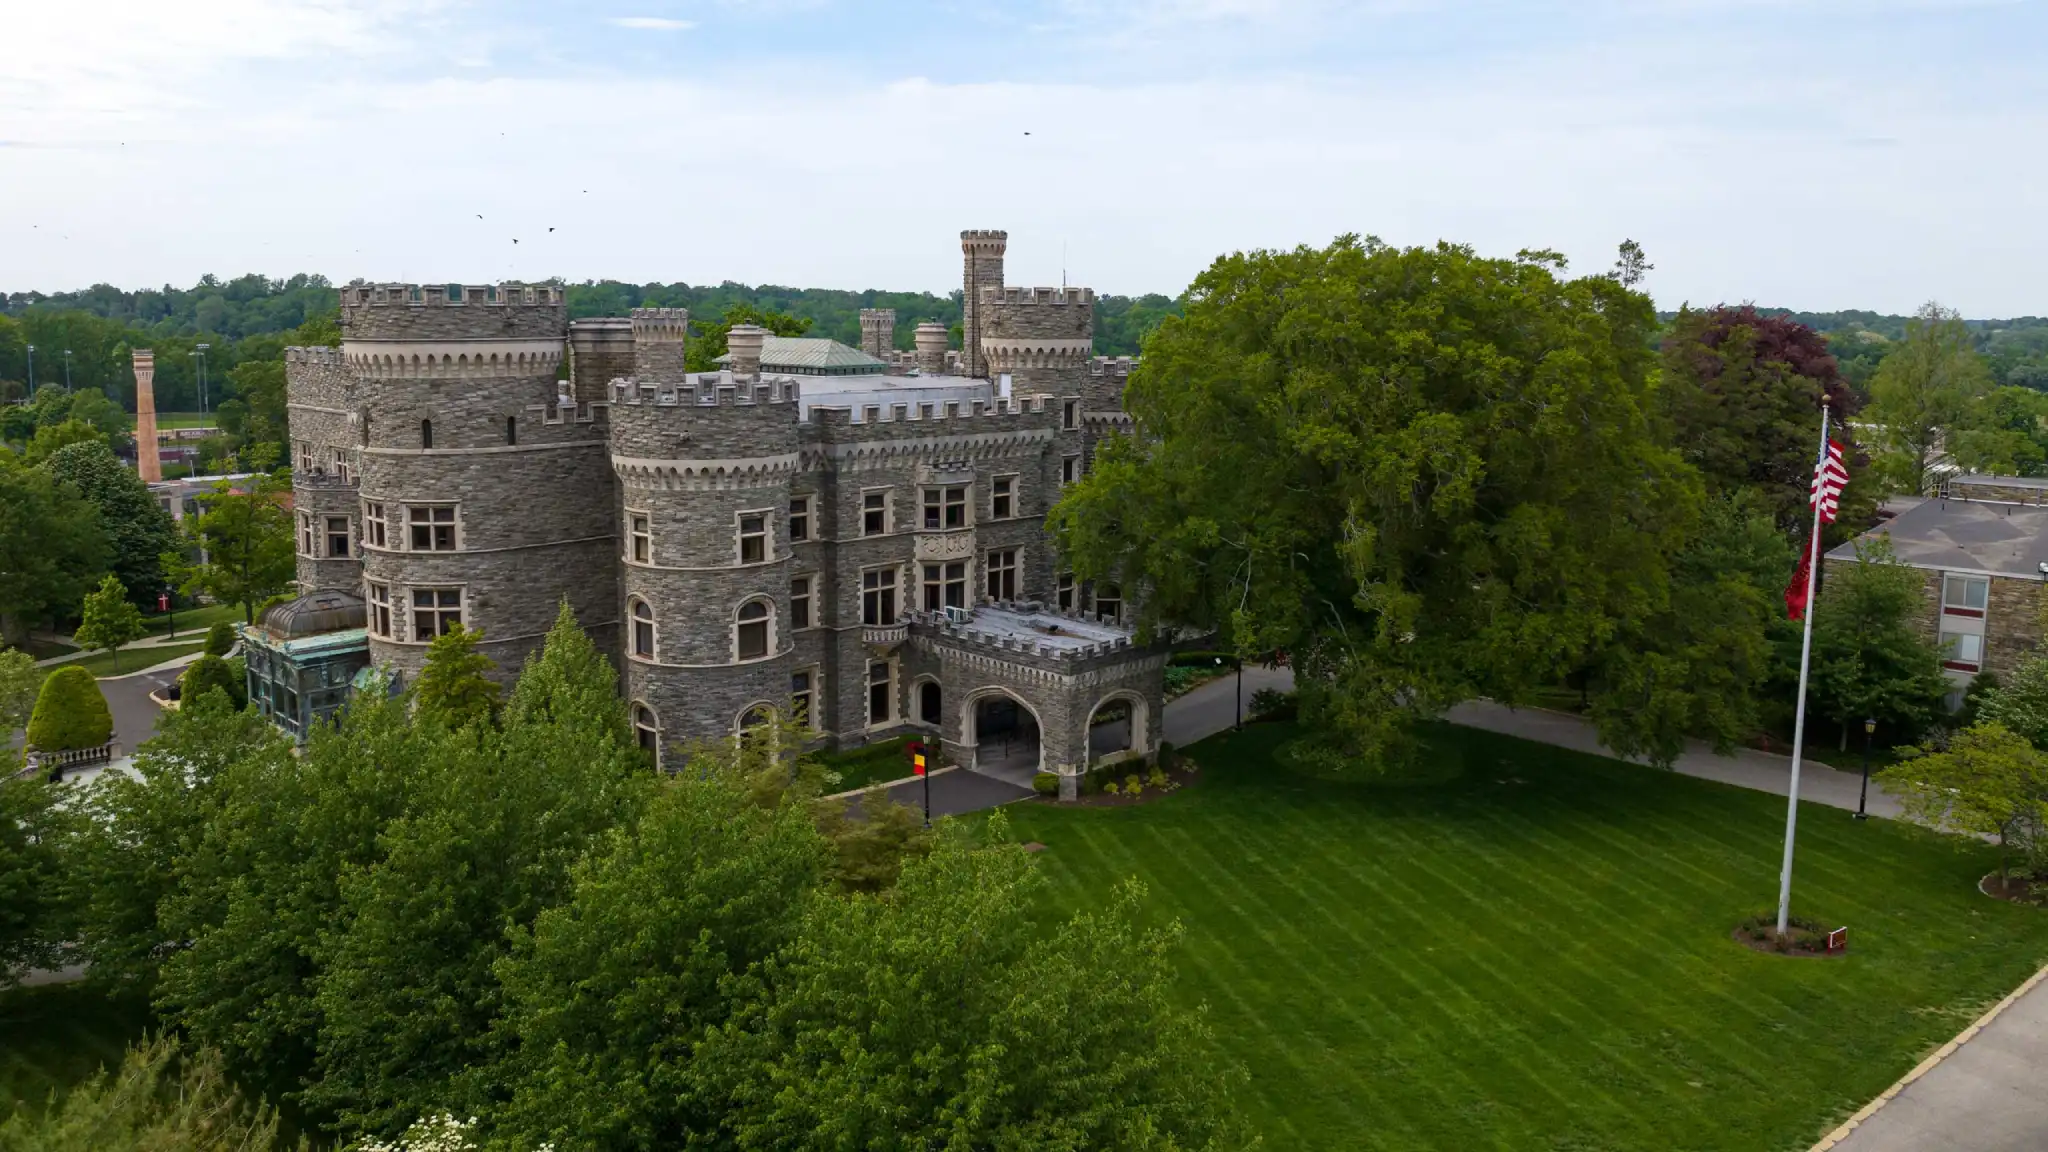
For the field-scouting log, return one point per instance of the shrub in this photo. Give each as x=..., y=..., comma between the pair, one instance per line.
x=1157, y=778
x=1046, y=784
x=70, y=713
x=220, y=638
x=208, y=673
x=1272, y=704
x=1167, y=756
x=1109, y=788
x=1133, y=785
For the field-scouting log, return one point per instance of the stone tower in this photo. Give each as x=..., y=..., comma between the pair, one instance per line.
x=1044, y=338
x=981, y=252
x=931, y=348
x=705, y=463
x=486, y=492
x=878, y=331
x=147, y=464
x=600, y=348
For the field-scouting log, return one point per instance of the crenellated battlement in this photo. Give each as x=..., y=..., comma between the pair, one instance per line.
x=317, y=356
x=706, y=390
x=433, y=312
x=1118, y=366
x=984, y=241
x=1032, y=630
x=661, y=324
x=1050, y=297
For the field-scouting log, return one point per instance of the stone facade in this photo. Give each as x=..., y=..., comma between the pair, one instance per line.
x=728, y=535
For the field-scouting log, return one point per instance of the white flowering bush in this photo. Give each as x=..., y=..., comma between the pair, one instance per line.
x=443, y=1133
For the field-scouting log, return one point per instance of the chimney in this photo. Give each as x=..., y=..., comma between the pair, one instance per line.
x=931, y=348
x=147, y=464
x=743, y=348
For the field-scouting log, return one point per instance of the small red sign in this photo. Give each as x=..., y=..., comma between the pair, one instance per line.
x=163, y=602
x=1838, y=939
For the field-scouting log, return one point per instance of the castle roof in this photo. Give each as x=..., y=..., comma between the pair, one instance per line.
x=814, y=356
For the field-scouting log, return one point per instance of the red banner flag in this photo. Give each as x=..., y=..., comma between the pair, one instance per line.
x=1795, y=592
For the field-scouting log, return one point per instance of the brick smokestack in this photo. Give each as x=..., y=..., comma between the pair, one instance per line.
x=147, y=464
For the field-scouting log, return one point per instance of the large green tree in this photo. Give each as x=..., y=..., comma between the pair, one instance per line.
x=1870, y=658
x=1423, y=473
x=1986, y=781
x=35, y=826
x=139, y=529
x=52, y=548
x=245, y=544
x=1925, y=390
x=108, y=619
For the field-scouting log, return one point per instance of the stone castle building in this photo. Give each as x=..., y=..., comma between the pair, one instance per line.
x=852, y=535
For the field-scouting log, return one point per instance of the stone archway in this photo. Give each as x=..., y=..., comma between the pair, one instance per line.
x=1003, y=735
x=1119, y=729
x=930, y=703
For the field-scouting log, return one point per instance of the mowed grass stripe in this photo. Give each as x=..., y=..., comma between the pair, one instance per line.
x=1460, y=958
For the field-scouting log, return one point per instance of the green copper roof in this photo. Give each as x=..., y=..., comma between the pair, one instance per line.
x=801, y=354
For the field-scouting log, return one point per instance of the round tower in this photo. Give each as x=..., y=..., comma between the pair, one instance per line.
x=705, y=465
x=981, y=253
x=486, y=492
x=1042, y=337
x=931, y=348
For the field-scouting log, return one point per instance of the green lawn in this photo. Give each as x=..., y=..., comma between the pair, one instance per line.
x=1536, y=954
x=165, y=421
x=59, y=1034
x=193, y=620
x=876, y=763
x=41, y=649
x=133, y=659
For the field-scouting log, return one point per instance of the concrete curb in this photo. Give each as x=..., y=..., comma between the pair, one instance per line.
x=885, y=785
x=1925, y=1066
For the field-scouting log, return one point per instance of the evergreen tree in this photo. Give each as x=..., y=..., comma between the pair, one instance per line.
x=70, y=712
x=138, y=528
x=455, y=684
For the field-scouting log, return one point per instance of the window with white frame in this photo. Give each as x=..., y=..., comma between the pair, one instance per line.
x=881, y=703
x=432, y=527
x=305, y=456
x=341, y=467
x=1064, y=591
x=374, y=534
x=639, y=537
x=643, y=630
x=799, y=519
x=647, y=729
x=753, y=537
x=945, y=585
x=380, y=610
x=338, y=536
x=1965, y=595
x=1109, y=603
x=1963, y=651
x=803, y=686
x=878, y=596
x=899, y=411
x=874, y=513
x=751, y=630
x=1002, y=498
x=872, y=414
x=306, y=534
x=799, y=602
x=945, y=507
x=1070, y=469
x=1002, y=574
x=435, y=612
x=924, y=411
x=1070, y=414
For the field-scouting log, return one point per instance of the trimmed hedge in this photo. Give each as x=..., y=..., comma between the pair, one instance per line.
x=206, y=674
x=70, y=713
x=220, y=638
x=1046, y=784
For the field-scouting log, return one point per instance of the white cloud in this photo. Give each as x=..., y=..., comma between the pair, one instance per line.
x=652, y=23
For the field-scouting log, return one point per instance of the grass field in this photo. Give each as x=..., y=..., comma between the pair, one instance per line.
x=165, y=421
x=193, y=620
x=59, y=1034
x=132, y=659
x=875, y=763
x=1536, y=954
x=40, y=649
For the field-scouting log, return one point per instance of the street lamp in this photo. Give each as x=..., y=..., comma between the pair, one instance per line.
x=31, y=371
x=1869, y=726
x=199, y=350
x=67, y=369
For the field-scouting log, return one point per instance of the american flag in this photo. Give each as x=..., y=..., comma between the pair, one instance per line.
x=1829, y=477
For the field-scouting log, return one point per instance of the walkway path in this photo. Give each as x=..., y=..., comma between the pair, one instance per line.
x=188, y=636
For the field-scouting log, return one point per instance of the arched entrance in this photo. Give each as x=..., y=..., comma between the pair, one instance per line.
x=1005, y=735
x=930, y=704
x=1117, y=729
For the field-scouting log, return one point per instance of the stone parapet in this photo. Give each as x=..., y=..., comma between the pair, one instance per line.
x=407, y=312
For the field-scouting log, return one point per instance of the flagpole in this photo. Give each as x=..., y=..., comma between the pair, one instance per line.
x=1805, y=657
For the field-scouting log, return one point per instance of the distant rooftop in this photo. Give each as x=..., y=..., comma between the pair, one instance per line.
x=814, y=356
x=1948, y=535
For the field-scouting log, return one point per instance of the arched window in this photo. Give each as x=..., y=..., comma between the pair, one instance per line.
x=426, y=433
x=752, y=630
x=643, y=630
x=754, y=717
x=647, y=729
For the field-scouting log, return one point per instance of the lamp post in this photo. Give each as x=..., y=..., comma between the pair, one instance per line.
x=31, y=371
x=67, y=369
x=199, y=350
x=1869, y=726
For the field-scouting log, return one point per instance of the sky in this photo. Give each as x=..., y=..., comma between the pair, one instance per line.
x=1813, y=154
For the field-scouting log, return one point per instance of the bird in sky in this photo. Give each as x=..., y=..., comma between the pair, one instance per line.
x=551, y=229
x=479, y=215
